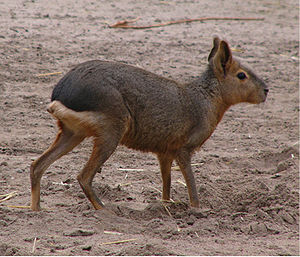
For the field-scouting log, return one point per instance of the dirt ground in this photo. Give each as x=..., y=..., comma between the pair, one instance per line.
x=247, y=172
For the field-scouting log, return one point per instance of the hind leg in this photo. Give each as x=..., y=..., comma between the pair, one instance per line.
x=64, y=143
x=102, y=150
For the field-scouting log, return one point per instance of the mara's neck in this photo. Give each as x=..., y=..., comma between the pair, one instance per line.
x=206, y=98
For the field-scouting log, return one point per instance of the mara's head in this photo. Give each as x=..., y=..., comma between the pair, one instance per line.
x=238, y=83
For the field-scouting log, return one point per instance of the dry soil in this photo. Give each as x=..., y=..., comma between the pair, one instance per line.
x=247, y=172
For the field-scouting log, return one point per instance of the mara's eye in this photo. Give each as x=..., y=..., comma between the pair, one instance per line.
x=241, y=75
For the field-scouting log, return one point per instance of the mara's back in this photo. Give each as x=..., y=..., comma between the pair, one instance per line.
x=83, y=88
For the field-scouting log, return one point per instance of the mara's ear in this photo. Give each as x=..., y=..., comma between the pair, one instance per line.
x=223, y=57
x=213, y=51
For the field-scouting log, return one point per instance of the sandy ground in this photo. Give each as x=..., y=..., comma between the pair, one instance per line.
x=247, y=173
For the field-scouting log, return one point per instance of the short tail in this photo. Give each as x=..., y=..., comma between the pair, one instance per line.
x=86, y=123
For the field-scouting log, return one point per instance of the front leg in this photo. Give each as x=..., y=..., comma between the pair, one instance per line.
x=183, y=159
x=165, y=162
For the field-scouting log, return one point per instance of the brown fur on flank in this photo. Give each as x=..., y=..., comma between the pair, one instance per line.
x=120, y=104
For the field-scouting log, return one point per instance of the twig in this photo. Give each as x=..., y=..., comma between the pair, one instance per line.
x=19, y=206
x=34, y=245
x=119, y=242
x=181, y=182
x=155, y=189
x=168, y=211
x=131, y=169
x=8, y=196
x=239, y=214
x=237, y=50
x=61, y=183
x=124, y=24
x=124, y=185
x=49, y=74
x=25, y=207
x=112, y=233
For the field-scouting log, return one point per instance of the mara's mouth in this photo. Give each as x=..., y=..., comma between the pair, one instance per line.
x=258, y=97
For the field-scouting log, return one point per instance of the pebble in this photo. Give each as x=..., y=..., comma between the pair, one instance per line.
x=287, y=217
x=80, y=232
x=191, y=220
x=283, y=165
x=261, y=185
x=165, y=237
x=258, y=228
x=155, y=223
x=87, y=248
x=81, y=195
x=3, y=164
x=276, y=176
x=3, y=223
x=198, y=213
x=261, y=214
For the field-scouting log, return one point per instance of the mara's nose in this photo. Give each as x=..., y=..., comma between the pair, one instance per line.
x=266, y=91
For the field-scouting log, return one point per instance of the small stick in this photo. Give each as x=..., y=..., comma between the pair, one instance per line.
x=19, y=206
x=166, y=208
x=112, y=233
x=155, y=189
x=124, y=24
x=49, y=74
x=237, y=50
x=119, y=242
x=61, y=183
x=124, y=185
x=34, y=245
x=131, y=169
x=8, y=196
x=24, y=207
x=180, y=182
